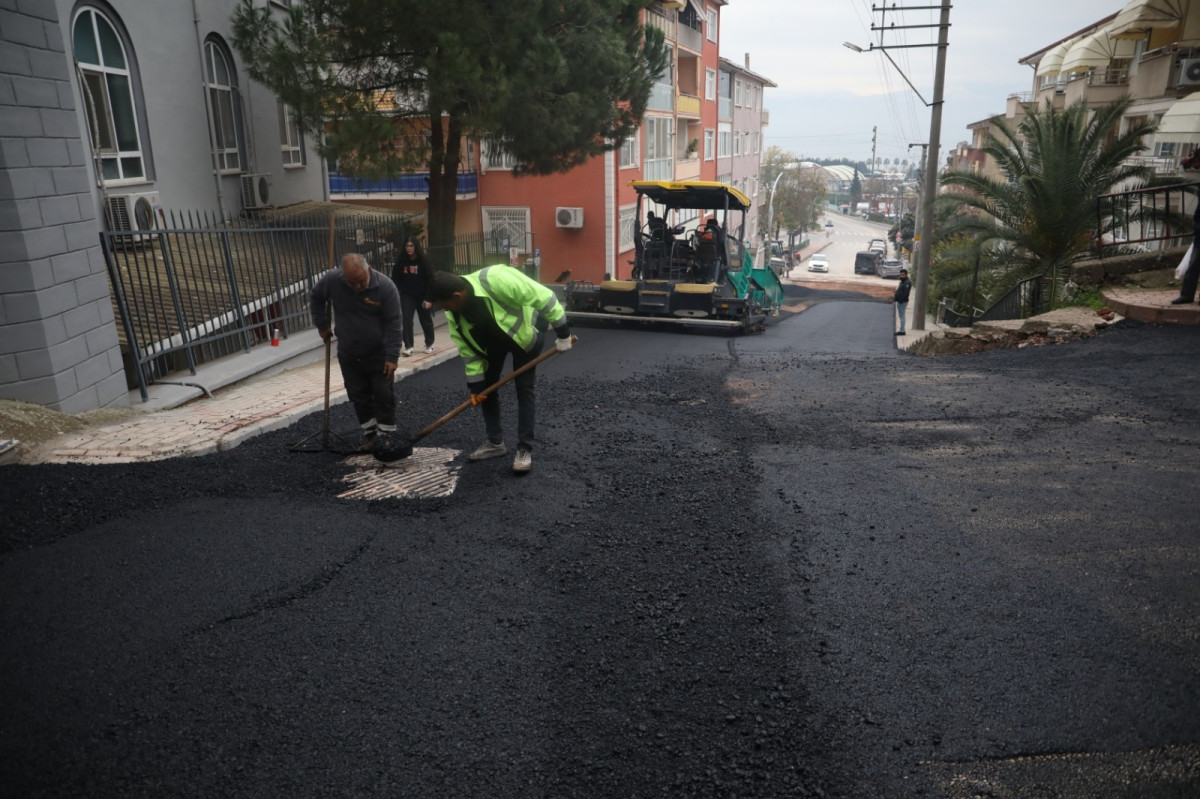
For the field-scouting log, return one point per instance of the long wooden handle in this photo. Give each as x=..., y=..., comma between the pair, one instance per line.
x=514, y=374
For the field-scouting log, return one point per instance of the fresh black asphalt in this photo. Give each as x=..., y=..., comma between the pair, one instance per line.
x=792, y=564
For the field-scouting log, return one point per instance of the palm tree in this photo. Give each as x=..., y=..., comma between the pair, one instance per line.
x=1042, y=218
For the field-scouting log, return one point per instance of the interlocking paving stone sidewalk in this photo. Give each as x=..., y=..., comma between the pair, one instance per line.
x=217, y=423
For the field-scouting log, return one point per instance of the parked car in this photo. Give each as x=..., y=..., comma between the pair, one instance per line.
x=879, y=246
x=828, y=223
x=818, y=263
x=865, y=262
x=889, y=268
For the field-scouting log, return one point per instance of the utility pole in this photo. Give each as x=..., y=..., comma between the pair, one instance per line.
x=920, y=194
x=929, y=192
x=874, y=133
x=921, y=287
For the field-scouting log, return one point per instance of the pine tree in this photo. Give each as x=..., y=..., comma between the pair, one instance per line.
x=404, y=83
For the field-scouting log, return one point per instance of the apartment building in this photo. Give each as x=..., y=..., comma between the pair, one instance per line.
x=108, y=112
x=1146, y=49
x=740, y=122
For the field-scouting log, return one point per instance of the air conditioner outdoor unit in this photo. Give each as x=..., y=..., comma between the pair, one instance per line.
x=1189, y=72
x=256, y=192
x=568, y=217
x=134, y=213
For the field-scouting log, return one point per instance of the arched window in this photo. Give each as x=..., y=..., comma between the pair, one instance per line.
x=108, y=96
x=220, y=81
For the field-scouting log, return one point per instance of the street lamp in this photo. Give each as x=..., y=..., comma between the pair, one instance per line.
x=771, y=208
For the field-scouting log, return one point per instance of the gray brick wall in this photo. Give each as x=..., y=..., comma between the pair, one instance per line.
x=58, y=339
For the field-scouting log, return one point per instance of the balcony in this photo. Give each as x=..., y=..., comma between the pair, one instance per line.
x=690, y=38
x=411, y=185
x=686, y=105
x=766, y=117
x=662, y=97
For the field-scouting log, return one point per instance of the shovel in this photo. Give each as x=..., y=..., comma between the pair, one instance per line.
x=404, y=450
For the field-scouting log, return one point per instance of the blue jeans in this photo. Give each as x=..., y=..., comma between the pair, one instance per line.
x=901, y=307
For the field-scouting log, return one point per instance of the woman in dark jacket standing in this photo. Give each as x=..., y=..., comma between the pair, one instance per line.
x=411, y=276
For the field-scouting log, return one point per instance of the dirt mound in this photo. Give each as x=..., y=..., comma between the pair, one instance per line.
x=31, y=424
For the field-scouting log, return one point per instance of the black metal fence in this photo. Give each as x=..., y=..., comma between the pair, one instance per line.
x=1147, y=219
x=197, y=288
x=1028, y=298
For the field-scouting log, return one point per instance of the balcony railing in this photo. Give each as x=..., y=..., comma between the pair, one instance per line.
x=468, y=183
x=1153, y=218
x=691, y=38
x=687, y=104
x=662, y=97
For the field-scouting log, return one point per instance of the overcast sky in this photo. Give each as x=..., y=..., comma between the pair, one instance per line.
x=829, y=97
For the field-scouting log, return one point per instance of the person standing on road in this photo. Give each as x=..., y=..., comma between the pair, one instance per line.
x=1191, y=277
x=366, y=309
x=900, y=298
x=411, y=275
x=491, y=314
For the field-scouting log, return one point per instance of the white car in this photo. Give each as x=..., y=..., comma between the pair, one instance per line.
x=818, y=263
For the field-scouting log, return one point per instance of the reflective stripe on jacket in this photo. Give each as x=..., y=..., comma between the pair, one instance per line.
x=514, y=301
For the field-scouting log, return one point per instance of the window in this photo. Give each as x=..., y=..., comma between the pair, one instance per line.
x=712, y=24
x=290, y=142
x=724, y=143
x=710, y=84
x=496, y=157
x=221, y=84
x=108, y=97
x=737, y=92
x=628, y=221
x=737, y=143
x=506, y=228
x=710, y=136
x=660, y=159
x=630, y=149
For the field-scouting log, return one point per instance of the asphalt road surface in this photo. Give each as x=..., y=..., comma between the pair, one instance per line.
x=791, y=564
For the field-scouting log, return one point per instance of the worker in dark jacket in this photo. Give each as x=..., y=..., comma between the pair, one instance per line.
x=901, y=299
x=492, y=313
x=366, y=310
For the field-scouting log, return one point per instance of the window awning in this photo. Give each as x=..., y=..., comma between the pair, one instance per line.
x=1181, y=123
x=1139, y=16
x=1051, y=63
x=1095, y=51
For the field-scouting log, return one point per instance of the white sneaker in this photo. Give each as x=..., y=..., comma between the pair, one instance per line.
x=523, y=462
x=406, y=351
x=487, y=450
x=429, y=349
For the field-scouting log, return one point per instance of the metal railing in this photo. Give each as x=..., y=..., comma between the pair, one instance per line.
x=1030, y=297
x=197, y=288
x=416, y=183
x=1155, y=218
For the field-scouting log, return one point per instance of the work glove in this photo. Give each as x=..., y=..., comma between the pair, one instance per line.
x=564, y=344
x=475, y=388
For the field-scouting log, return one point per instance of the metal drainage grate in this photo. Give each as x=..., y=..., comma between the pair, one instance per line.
x=424, y=474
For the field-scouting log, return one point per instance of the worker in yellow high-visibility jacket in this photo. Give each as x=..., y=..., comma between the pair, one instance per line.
x=491, y=314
